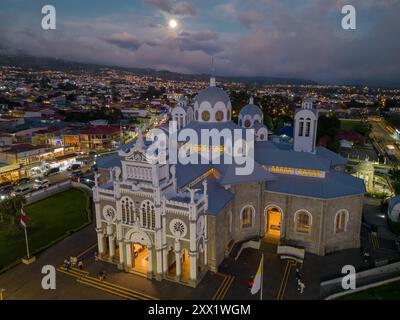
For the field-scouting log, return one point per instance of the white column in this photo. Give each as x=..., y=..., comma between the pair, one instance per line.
x=121, y=252
x=100, y=242
x=165, y=259
x=178, y=258
x=111, y=244
x=193, y=265
x=150, y=260
x=128, y=254
x=178, y=262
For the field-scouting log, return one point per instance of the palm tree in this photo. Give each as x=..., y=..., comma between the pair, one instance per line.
x=11, y=206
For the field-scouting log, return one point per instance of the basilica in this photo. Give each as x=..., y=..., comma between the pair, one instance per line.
x=176, y=222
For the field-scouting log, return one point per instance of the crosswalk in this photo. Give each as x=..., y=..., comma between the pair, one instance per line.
x=85, y=278
x=224, y=287
x=282, y=288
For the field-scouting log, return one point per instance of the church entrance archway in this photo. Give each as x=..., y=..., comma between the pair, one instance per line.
x=273, y=220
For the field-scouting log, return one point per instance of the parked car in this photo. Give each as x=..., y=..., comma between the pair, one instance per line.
x=22, y=181
x=22, y=191
x=51, y=172
x=73, y=167
x=41, y=184
x=5, y=192
x=5, y=185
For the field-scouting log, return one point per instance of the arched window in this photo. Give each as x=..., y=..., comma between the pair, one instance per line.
x=341, y=218
x=256, y=121
x=308, y=127
x=148, y=215
x=205, y=115
x=219, y=115
x=301, y=127
x=128, y=211
x=247, y=123
x=303, y=221
x=196, y=115
x=247, y=216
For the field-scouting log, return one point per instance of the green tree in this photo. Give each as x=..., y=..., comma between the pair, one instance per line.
x=11, y=206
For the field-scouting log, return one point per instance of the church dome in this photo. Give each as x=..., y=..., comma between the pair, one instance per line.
x=212, y=95
x=212, y=105
x=251, y=110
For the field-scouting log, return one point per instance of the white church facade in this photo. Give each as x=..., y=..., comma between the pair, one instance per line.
x=176, y=222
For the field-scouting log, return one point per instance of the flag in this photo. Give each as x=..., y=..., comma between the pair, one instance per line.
x=23, y=218
x=258, y=278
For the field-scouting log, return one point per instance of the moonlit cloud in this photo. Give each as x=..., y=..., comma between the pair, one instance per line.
x=301, y=39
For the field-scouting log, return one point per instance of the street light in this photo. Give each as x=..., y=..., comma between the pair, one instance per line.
x=1, y=294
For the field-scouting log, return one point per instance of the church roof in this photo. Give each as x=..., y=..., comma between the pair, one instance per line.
x=212, y=95
x=335, y=184
x=251, y=109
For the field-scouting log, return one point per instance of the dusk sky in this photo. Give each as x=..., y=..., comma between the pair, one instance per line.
x=277, y=38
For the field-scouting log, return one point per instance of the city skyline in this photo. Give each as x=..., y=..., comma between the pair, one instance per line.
x=264, y=38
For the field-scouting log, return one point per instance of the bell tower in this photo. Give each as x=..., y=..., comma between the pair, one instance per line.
x=305, y=127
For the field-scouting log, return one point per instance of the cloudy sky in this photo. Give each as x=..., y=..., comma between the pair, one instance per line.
x=279, y=38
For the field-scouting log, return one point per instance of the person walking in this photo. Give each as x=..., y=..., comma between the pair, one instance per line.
x=68, y=266
x=80, y=264
x=301, y=286
x=250, y=283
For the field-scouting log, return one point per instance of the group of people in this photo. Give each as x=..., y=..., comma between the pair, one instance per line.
x=73, y=262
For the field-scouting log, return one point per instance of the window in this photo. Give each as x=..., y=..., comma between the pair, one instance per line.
x=303, y=222
x=205, y=115
x=148, y=215
x=308, y=127
x=247, y=217
x=196, y=115
x=301, y=127
x=128, y=211
x=341, y=221
x=219, y=116
x=247, y=123
x=228, y=117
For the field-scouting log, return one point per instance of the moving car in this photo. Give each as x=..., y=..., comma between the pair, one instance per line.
x=51, y=172
x=5, y=192
x=22, y=191
x=75, y=175
x=74, y=167
x=22, y=181
x=41, y=184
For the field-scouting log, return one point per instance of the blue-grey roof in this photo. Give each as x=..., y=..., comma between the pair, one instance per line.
x=187, y=173
x=212, y=95
x=108, y=161
x=336, y=159
x=229, y=175
x=335, y=184
x=268, y=153
x=251, y=109
x=218, y=196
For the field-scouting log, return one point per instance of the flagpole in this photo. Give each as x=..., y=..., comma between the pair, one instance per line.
x=262, y=276
x=27, y=246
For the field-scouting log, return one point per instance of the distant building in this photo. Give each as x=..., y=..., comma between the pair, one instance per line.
x=100, y=138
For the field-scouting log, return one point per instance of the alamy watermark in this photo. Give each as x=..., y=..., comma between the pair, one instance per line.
x=226, y=146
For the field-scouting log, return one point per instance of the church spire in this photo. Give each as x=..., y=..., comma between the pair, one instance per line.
x=212, y=78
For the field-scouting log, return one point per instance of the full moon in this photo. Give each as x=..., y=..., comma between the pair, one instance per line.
x=173, y=23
